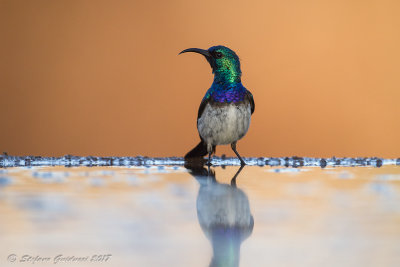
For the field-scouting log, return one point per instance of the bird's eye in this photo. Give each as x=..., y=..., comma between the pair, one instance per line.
x=218, y=54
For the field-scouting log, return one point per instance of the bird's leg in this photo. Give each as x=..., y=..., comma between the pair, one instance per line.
x=210, y=150
x=210, y=175
x=233, y=145
x=209, y=158
x=233, y=181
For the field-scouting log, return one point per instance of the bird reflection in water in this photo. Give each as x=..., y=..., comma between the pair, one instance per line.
x=224, y=215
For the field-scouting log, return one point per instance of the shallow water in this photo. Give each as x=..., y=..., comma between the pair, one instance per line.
x=172, y=216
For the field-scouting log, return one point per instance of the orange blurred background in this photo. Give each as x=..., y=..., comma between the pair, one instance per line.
x=103, y=77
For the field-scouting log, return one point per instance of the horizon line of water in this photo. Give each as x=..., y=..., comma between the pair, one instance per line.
x=91, y=161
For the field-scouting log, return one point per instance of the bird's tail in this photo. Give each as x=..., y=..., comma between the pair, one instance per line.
x=198, y=151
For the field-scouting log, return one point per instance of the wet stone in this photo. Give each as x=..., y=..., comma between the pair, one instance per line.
x=323, y=163
x=76, y=161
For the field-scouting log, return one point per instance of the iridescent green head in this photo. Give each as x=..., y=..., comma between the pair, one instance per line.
x=224, y=62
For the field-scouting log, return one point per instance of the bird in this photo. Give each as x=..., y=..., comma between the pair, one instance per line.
x=225, y=112
x=224, y=215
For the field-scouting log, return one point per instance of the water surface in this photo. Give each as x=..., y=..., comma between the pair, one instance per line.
x=173, y=216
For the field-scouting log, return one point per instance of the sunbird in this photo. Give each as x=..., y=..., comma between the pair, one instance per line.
x=225, y=112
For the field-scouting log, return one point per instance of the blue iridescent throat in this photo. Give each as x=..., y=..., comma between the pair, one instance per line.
x=226, y=93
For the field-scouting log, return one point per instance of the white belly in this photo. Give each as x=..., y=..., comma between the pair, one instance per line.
x=224, y=124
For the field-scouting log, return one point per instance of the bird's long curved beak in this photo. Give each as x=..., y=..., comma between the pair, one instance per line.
x=197, y=50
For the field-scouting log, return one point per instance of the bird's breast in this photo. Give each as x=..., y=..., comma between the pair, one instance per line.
x=224, y=123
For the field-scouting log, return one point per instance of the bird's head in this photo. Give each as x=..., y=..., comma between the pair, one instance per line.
x=224, y=62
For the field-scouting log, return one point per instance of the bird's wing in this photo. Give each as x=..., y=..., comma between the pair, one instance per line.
x=203, y=105
x=250, y=98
